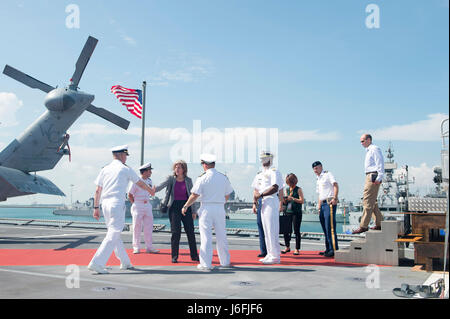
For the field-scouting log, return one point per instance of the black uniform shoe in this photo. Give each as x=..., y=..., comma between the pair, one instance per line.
x=174, y=260
x=330, y=254
x=262, y=255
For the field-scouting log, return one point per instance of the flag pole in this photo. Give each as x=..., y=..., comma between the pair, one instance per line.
x=144, y=84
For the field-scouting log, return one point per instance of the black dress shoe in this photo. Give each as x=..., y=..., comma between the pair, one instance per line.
x=262, y=255
x=322, y=253
x=360, y=230
x=330, y=254
x=174, y=260
x=195, y=259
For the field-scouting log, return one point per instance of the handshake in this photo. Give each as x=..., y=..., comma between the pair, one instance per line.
x=152, y=190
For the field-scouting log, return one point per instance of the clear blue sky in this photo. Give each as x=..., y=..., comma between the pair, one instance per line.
x=299, y=66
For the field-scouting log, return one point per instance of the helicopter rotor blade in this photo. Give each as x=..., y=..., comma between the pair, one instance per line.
x=109, y=116
x=83, y=59
x=26, y=79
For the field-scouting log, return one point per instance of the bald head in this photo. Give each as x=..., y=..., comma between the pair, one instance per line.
x=366, y=140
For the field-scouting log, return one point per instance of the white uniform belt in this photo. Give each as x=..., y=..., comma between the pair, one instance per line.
x=142, y=201
x=112, y=199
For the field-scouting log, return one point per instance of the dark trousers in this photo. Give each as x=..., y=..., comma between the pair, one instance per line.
x=176, y=218
x=296, y=221
x=262, y=241
x=326, y=223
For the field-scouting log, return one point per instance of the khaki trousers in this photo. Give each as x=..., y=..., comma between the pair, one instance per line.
x=370, y=203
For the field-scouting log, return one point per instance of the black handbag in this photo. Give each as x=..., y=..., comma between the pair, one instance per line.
x=285, y=224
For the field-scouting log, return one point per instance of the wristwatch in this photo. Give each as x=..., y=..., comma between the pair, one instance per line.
x=96, y=207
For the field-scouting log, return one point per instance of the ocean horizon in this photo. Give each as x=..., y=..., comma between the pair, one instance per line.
x=46, y=213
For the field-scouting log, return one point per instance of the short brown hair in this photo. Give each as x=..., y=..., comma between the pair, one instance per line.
x=291, y=179
x=183, y=166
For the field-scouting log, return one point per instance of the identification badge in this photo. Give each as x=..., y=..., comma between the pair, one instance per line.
x=289, y=207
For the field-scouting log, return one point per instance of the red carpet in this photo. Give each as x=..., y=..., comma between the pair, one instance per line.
x=82, y=257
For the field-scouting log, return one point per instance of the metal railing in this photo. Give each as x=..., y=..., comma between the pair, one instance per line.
x=156, y=227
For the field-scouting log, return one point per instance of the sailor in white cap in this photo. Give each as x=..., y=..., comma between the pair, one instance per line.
x=141, y=211
x=268, y=186
x=112, y=184
x=212, y=189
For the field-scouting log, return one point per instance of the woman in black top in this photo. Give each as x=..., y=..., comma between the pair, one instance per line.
x=293, y=201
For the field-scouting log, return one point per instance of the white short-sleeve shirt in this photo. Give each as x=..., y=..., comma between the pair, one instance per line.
x=114, y=179
x=266, y=179
x=212, y=187
x=139, y=194
x=324, y=185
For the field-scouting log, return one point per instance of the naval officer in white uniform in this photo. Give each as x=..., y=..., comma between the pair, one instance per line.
x=268, y=185
x=112, y=184
x=212, y=189
x=141, y=211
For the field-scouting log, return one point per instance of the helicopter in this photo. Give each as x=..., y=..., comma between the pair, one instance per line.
x=45, y=141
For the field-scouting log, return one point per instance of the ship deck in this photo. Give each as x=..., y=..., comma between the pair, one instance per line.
x=44, y=262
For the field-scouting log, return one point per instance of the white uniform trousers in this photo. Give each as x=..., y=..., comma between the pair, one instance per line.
x=142, y=217
x=114, y=214
x=213, y=215
x=270, y=218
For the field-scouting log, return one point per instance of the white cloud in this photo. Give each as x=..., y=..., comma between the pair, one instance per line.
x=421, y=177
x=420, y=131
x=181, y=67
x=9, y=105
x=158, y=135
x=301, y=136
x=129, y=39
x=154, y=135
x=87, y=129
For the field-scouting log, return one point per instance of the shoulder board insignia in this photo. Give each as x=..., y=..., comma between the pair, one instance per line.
x=274, y=169
x=202, y=174
x=223, y=174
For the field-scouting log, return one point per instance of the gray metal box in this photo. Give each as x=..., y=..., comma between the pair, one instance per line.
x=427, y=204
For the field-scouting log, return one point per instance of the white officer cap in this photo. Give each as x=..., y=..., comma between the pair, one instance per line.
x=265, y=156
x=146, y=166
x=120, y=149
x=207, y=158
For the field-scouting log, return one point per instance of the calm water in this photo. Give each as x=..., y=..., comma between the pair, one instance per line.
x=47, y=213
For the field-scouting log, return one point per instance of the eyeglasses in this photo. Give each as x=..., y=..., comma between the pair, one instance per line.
x=362, y=141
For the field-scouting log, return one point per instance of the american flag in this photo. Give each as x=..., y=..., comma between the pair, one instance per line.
x=130, y=98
